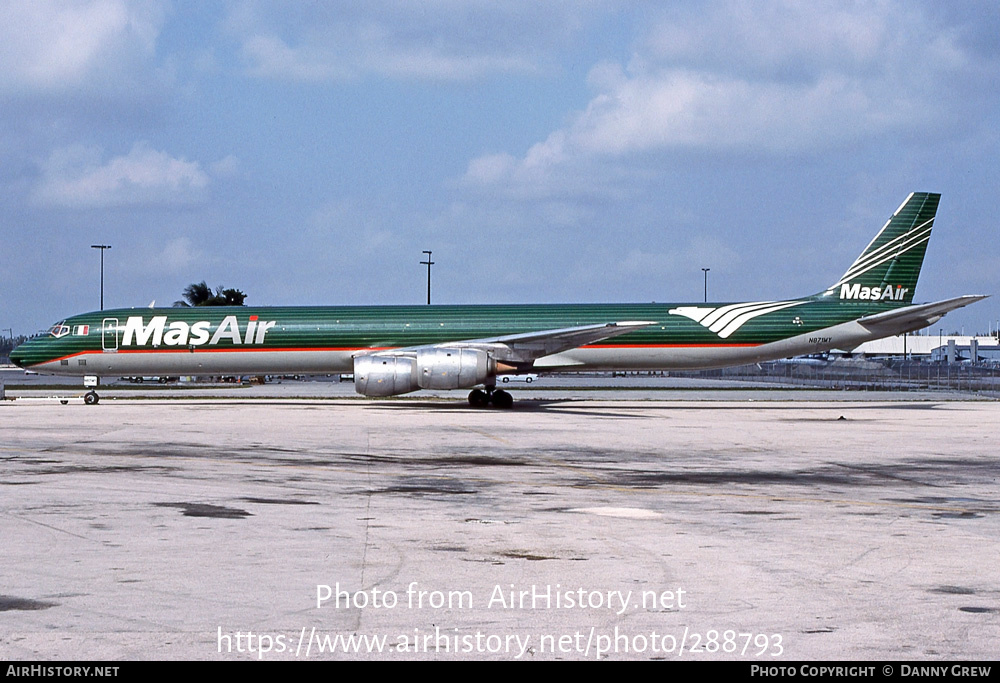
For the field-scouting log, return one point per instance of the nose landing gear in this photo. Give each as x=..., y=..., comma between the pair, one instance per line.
x=90, y=382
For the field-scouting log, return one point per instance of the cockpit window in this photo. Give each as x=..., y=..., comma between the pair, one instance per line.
x=60, y=329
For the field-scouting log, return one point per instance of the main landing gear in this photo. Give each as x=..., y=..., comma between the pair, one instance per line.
x=91, y=398
x=479, y=398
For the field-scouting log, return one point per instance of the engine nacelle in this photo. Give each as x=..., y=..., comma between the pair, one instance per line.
x=434, y=368
x=385, y=375
x=457, y=368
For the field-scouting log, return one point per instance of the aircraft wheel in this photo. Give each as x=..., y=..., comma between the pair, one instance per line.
x=501, y=399
x=478, y=398
x=91, y=398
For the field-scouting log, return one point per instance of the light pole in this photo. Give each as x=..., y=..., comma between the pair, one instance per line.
x=706, y=283
x=428, y=263
x=102, y=247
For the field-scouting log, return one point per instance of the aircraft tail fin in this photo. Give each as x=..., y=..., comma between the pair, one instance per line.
x=887, y=270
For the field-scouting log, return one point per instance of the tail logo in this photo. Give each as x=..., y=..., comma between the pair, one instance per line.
x=879, y=259
x=888, y=293
x=725, y=320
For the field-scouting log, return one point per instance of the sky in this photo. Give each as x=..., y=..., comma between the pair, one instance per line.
x=585, y=151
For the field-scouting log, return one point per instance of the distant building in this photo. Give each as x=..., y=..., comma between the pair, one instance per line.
x=933, y=347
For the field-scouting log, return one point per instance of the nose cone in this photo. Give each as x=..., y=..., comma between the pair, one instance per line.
x=27, y=354
x=17, y=356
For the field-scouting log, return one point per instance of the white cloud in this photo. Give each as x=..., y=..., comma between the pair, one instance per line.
x=676, y=108
x=490, y=168
x=445, y=40
x=796, y=39
x=786, y=79
x=48, y=45
x=178, y=254
x=227, y=167
x=377, y=53
x=76, y=177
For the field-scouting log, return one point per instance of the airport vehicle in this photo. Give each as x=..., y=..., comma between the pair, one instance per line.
x=140, y=379
x=394, y=350
x=527, y=378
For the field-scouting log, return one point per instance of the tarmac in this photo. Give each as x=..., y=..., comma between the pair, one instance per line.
x=295, y=521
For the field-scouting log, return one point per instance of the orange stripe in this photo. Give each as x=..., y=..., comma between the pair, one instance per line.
x=377, y=348
x=99, y=352
x=665, y=346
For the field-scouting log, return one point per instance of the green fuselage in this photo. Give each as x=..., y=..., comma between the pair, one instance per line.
x=397, y=349
x=245, y=340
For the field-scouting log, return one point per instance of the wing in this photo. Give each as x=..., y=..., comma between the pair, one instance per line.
x=527, y=347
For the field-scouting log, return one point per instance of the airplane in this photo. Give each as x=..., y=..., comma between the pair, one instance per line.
x=394, y=350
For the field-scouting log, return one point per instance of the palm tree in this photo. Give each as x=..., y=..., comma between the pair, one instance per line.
x=195, y=295
x=200, y=294
x=230, y=297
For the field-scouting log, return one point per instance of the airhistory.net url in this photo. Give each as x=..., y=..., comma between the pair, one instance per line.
x=584, y=643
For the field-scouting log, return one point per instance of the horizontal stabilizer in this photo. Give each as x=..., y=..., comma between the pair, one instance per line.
x=917, y=316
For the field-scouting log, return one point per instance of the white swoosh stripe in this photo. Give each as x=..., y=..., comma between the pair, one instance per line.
x=696, y=313
x=710, y=319
x=894, y=214
x=902, y=240
x=725, y=320
x=738, y=323
x=901, y=236
x=857, y=270
x=919, y=233
x=722, y=322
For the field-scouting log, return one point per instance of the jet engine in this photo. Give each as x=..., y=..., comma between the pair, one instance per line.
x=388, y=374
x=385, y=375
